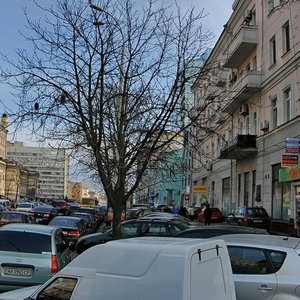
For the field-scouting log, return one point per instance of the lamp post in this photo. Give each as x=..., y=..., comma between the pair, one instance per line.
x=116, y=24
x=120, y=98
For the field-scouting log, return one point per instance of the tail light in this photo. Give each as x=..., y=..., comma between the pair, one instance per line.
x=54, y=264
x=74, y=233
x=245, y=221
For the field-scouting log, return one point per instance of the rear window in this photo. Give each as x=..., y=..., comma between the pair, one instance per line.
x=11, y=217
x=24, y=242
x=257, y=212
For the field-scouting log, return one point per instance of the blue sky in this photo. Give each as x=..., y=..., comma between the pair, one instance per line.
x=12, y=21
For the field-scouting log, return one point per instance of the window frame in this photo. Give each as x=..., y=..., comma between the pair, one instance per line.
x=273, y=58
x=286, y=37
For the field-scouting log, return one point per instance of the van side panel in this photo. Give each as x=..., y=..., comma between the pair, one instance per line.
x=149, y=285
x=209, y=276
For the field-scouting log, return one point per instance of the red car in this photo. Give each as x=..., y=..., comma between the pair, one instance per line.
x=216, y=216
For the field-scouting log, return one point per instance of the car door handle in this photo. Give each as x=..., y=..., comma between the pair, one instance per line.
x=265, y=288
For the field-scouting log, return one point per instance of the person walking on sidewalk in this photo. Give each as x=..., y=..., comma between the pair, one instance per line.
x=207, y=214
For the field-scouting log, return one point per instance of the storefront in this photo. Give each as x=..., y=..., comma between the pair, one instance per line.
x=285, y=200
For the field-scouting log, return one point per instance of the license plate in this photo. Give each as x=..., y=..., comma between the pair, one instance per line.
x=257, y=221
x=38, y=219
x=18, y=272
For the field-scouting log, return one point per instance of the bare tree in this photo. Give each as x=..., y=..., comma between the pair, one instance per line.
x=106, y=80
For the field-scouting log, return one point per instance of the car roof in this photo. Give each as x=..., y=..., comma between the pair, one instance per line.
x=35, y=228
x=67, y=217
x=261, y=240
x=27, y=213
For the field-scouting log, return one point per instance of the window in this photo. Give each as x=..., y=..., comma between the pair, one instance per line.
x=24, y=242
x=271, y=5
x=274, y=112
x=246, y=188
x=254, y=62
x=254, y=123
x=288, y=103
x=286, y=37
x=272, y=51
x=59, y=289
x=246, y=260
x=253, y=186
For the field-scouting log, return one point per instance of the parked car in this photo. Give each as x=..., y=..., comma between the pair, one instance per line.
x=133, y=228
x=26, y=206
x=7, y=217
x=91, y=211
x=250, y=216
x=61, y=206
x=264, y=266
x=30, y=254
x=90, y=220
x=218, y=229
x=72, y=227
x=138, y=212
x=169, y=216
x=5, y=203
x=43, y=214
x=216, y=215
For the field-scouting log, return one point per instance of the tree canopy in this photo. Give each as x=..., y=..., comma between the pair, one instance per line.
x=106, y=80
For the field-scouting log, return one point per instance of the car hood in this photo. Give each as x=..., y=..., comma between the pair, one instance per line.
x=19, y=293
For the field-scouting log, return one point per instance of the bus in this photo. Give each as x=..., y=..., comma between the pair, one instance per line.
x=88, y=201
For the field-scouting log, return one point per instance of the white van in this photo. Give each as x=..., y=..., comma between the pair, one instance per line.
x=145, y=268
x=5, y=203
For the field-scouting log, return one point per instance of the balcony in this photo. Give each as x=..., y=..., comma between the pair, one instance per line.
x=241, y=46
x=241, y=147
x=246, y=86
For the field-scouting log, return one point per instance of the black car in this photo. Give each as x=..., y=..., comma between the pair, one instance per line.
x=133, y=228
x=43, y=214
x=218, y=229
x=62, y=206
x=72, y=227
x=250, y=216
x=91, y=211
x=92, y=225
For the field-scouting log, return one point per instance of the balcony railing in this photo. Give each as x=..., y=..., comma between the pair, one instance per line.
x=241, y=46
x=242, y=146
x=243, y=89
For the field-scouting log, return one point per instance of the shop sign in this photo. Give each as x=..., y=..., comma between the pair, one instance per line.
x=289, y=174
x=292, y=145
x=288, y=160
x=202, y=189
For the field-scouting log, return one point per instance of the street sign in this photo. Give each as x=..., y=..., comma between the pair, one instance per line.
x=201, y=189
x=292, y=145
x=288, y=160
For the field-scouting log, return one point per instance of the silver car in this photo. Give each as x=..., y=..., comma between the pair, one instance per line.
x=265, y=267
x=30, y=254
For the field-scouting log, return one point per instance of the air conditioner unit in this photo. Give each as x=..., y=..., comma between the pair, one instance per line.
x=264, y=125
x=244, y=110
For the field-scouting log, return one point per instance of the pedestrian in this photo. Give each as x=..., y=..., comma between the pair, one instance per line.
x=183, y=211
x=207, y=214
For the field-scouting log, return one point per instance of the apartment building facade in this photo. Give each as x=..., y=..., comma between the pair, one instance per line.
x=248, y=96
x=52, y=165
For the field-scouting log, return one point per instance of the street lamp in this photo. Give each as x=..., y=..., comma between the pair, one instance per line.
x=115, y=23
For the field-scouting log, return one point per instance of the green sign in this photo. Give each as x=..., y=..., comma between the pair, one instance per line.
x=289, y=174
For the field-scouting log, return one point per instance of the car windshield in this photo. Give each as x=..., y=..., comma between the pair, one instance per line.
x=28, y=242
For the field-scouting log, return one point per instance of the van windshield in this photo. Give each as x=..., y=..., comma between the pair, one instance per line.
x=28, y=242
